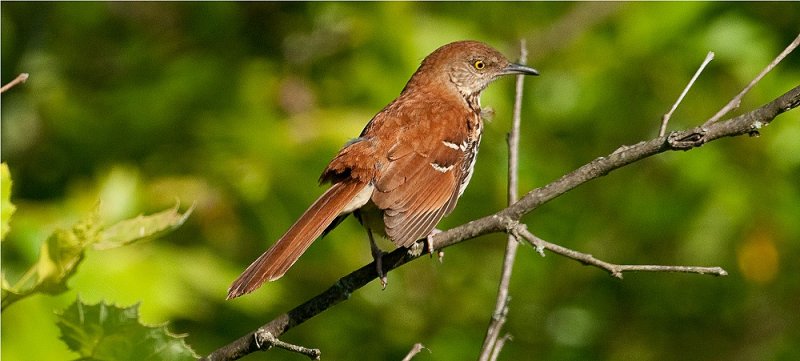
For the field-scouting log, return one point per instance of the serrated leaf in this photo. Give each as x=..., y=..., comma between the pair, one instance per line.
x=107, y=332
x=142, y=228
x=6, y=207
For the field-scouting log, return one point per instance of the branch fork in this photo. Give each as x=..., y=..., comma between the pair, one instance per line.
x=265, y=340
x=686, y=140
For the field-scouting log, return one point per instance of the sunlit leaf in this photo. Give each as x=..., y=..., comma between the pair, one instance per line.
x=64, y=250
x=59, y=257
x=142, y=228
x=108, y=332
x=6, y=207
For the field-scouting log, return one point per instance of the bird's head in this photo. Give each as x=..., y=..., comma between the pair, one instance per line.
x=468, y=66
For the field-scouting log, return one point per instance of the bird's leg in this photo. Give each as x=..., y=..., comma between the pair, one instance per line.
x=377, y=255
x=429, y=242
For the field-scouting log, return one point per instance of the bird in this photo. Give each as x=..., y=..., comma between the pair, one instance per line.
x=407, y=168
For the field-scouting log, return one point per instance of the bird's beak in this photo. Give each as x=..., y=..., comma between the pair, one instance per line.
x=519, y=69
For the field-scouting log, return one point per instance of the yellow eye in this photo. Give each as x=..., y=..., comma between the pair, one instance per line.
x=479, y=64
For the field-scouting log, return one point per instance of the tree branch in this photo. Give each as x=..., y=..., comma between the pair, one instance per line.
x=615, y=270
x=507, y=220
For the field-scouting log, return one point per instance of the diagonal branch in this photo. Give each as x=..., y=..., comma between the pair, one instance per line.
x=748, y=123
x=508, y=218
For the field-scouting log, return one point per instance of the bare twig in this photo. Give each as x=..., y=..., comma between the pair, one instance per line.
x=501, y=303
x=414, y=351
x=734, y=103
x=665, y=118
x=19, y=79
x=499, y=346
x=265, y=340
x=616, y=270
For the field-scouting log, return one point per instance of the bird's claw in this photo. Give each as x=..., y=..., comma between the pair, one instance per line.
x=429, y=243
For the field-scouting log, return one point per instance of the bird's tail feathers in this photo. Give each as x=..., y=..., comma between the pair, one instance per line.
x=284, y=253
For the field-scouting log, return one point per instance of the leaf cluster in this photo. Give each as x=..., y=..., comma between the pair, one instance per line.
x=96, y=332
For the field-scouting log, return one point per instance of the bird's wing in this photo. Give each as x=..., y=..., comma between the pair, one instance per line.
x=420, y=180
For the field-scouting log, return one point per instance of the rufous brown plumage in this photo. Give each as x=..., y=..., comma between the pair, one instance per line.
x=408, y=167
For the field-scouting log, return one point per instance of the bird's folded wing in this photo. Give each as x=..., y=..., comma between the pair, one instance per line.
x=416, y=189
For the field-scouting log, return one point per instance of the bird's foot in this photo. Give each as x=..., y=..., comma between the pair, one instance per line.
x=429, y=243
x=377, y=255
x=381, y=275
x=416, y=249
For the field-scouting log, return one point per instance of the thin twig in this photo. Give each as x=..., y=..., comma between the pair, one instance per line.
x=666, y=117
x=265, y=340
x=414, y=351
x=19, y=79
x=734, y=103
x=616, y=270
x=498, y=319
x=499, y=346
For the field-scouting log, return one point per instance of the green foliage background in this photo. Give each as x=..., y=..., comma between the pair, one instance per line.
x=239, y=106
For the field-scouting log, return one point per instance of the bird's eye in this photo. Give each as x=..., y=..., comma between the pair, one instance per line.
x=479, y=64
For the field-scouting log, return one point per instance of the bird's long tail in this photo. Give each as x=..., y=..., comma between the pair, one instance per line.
x=284, y=253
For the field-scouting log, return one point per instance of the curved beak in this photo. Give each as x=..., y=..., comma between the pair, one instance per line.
x=519, y=69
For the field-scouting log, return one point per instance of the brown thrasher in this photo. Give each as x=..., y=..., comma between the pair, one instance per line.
x=408, y=167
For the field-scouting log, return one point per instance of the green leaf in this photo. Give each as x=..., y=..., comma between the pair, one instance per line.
x=142, y=228
x=59, y=257
x=6, y=207
x=64, y=250
x=107, y=332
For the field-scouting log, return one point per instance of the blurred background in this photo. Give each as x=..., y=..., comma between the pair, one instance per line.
x=237, y=107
